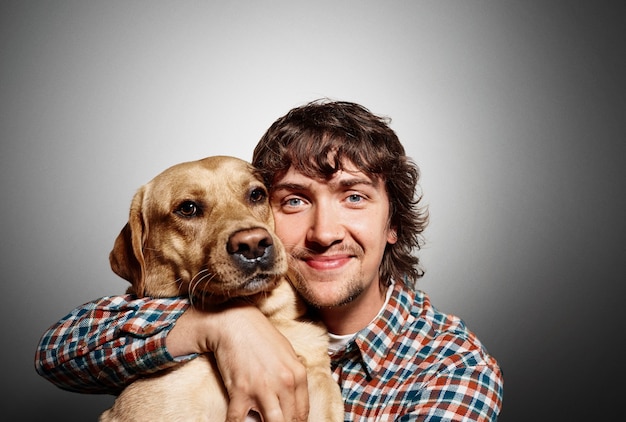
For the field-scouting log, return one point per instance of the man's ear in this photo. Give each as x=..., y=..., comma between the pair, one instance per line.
x=392, y=235
x=127, y=258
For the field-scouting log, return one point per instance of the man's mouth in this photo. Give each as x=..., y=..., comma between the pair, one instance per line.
x=325, y=263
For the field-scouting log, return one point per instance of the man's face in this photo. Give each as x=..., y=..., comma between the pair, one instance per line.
x=336, y=230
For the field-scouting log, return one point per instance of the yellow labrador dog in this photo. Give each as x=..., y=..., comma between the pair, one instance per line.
x=204, y=229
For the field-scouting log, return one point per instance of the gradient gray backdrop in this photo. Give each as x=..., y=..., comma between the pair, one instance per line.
x=514, y=110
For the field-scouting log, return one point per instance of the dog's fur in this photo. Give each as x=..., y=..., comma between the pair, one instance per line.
x=204, y=229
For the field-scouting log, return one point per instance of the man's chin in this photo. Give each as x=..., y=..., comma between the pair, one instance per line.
x=326, y=295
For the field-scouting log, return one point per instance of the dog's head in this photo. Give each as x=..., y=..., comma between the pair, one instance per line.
x=202, y=229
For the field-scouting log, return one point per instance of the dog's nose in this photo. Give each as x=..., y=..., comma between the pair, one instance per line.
x=250, y=244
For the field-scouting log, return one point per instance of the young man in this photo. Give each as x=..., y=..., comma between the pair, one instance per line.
x=344, y=198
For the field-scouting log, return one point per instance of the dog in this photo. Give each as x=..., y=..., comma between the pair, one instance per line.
x=204, y=229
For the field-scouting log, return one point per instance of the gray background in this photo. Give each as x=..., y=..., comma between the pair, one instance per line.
x=514, y=110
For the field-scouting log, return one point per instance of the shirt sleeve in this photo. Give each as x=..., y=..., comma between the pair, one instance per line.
x=104, y=345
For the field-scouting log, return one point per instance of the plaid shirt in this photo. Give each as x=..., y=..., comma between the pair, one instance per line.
x=412, y=363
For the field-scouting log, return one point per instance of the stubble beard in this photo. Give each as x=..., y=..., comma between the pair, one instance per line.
x=352, y=289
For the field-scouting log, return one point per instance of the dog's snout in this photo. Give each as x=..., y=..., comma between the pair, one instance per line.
x=250, y=244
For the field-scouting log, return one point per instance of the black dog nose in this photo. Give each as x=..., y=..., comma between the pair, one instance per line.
x=251, y=244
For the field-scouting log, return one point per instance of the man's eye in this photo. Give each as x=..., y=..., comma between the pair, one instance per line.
x=188, y=209
x=293, y=202
x=354, y=198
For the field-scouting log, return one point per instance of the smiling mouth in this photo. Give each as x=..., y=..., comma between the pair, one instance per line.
x=327, y=262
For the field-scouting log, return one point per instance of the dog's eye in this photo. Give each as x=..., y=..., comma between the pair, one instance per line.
x=257, y=195
x=188, y=209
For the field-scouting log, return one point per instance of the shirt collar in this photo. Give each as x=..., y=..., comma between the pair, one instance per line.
x=375, y=340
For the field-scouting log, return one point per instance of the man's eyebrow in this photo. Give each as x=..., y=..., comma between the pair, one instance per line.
x=349, y=182
x=288, y=186
x=344, y=183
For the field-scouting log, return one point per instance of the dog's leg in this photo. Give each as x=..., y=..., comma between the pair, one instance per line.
x=310, y=342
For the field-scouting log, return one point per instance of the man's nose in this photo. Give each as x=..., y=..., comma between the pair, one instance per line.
x=326, y=227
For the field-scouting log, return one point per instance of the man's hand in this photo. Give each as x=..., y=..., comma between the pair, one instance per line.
x=259, y=367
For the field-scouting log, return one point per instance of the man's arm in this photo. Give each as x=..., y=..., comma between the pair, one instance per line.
x=106, y=344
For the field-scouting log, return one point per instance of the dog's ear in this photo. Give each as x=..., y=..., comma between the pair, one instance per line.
x=127, y=258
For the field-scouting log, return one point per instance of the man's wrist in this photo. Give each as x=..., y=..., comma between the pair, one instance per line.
x=188, y=336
